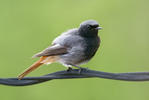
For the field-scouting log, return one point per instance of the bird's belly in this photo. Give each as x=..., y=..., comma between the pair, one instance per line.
x=73, y=58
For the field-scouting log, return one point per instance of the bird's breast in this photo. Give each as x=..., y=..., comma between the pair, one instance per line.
x=92, y=45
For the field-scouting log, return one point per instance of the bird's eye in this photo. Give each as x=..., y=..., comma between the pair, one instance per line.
x=89, y=27
x=92, y=26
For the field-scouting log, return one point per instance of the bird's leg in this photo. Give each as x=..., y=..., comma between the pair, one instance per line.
x=77, y=66
x=80, y=68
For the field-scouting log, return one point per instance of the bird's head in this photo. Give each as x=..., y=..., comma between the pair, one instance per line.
x=89, y=28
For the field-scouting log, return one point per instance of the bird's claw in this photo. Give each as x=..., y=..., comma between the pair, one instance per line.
x=69, y=69
x=82, y=69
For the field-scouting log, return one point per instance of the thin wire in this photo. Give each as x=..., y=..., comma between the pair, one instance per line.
x=75, y=73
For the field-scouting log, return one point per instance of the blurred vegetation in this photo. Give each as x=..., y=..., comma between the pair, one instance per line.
x=29, y=26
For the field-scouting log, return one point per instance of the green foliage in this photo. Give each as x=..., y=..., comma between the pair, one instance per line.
x=29, y=26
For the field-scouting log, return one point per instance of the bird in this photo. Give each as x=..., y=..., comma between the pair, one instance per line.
x=72, y=48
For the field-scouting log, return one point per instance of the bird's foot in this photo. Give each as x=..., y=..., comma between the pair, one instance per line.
x=69, y=69
x=82, y=69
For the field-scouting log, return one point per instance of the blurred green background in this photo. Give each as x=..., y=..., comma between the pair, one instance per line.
x=29, y=26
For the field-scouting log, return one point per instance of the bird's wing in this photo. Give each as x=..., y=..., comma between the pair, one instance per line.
x=55, y=49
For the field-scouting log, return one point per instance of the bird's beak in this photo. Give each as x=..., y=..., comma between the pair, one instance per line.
x=99, y=28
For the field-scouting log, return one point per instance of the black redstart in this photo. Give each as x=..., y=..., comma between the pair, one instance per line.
x=71, y=48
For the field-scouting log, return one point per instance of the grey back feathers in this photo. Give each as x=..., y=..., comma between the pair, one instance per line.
x=52, y=51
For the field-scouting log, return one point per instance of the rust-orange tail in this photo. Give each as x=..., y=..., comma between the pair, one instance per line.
x=31, y=68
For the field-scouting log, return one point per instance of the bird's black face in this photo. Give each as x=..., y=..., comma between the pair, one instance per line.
x=89, y=28
x=92, y=27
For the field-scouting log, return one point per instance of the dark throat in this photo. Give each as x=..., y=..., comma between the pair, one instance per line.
x=92, y=44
